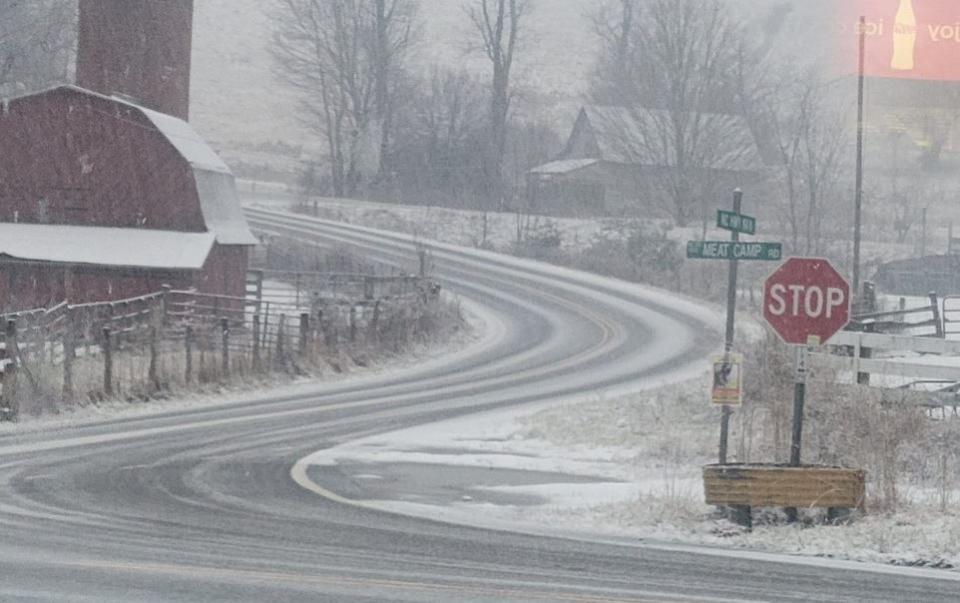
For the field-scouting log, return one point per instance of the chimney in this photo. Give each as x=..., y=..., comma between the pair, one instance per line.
x=139, y=49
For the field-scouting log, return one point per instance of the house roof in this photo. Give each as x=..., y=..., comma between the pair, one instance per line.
x=120, y=247
x=563, y=166
x=641, y=136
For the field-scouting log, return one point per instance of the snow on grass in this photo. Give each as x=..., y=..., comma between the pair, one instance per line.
x=645, y=452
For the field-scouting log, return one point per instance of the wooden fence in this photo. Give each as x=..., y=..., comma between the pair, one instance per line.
x=136, y=347
x=922, y=321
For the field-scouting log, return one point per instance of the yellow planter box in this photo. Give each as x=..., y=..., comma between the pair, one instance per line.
x=784, y=486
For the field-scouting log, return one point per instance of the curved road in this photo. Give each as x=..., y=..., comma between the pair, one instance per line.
x=200, y=506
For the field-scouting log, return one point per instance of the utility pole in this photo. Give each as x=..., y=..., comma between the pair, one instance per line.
x=923, y=233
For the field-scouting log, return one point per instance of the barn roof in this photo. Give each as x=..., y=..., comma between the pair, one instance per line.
x=216, y=189
x=641, y=136
x=120, y=247
x=186, y=140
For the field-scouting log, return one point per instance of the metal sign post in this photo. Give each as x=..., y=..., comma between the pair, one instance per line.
x=799, y=395
x=729, y=332
x=806, y=301
x=732, y=251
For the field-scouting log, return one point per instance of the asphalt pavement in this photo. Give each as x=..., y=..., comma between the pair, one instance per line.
x=199, y=505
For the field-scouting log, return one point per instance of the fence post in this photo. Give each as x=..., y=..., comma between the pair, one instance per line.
x=304, y=332
x=126, y=324
x=165, y=305
x=11, y=407
x=225, y=335
x=865, y=352
x=375, y=321
x=368, y=287
x=279, y=361
x=69, y=354
x=935, y=307
x=422, y=255
x=152, y=371
x=297, y=281
x=107, y=362
x=188, y=344
x=256, y=342
x=353, y=323
x=329, y=335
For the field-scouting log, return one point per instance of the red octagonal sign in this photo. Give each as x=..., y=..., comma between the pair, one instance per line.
x=804, y=298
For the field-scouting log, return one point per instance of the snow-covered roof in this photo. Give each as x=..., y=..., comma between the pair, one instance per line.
x=186, y=140
x=641, y=136
x=221, y=208
x=216, y=190
x=121, y=247
x=563, y=166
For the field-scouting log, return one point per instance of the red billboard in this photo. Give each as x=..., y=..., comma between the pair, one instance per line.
x=911, y=39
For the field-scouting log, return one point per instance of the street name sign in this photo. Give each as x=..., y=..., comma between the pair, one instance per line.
x=806, y=300
x=733, y=250
x=742, y=223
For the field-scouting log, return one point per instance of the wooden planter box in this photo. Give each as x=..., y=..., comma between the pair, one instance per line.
x=784, y=486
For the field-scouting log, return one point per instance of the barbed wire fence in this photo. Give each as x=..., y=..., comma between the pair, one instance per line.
x=294, y=323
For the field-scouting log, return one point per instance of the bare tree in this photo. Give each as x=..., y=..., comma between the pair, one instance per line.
x=346, y=58
x=499, y=23
x=613, y=23
x=681, y=72
x=809, y=126
x=438, y=134
x=37, y=43
x=397, y=31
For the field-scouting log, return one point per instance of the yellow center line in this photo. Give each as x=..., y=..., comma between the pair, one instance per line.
x=500, y=592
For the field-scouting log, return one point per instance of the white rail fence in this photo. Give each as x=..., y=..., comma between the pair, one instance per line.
x=920, y=367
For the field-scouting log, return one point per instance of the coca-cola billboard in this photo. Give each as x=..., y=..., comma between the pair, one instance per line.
x=909, y=39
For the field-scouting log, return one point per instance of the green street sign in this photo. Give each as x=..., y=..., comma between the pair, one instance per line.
x=729, y=220
x=729, y=250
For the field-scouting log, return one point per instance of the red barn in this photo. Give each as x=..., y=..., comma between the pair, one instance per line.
x=103, y=198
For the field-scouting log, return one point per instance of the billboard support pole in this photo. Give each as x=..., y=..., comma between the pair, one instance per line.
x=858, y=198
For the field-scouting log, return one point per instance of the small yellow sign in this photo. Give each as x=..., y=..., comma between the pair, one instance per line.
x=727, y=388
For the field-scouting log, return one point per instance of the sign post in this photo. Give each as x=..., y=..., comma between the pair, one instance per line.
x=729, y=331
x=733, y=251
x=799, y=398
x=806, y=301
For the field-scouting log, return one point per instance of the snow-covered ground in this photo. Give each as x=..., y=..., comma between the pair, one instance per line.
x=626, y=467
x=466, y=227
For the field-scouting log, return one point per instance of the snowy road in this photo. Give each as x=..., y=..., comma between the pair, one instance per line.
x=199, y=505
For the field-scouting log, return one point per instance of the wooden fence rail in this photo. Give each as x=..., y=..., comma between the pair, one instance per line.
x=925, y=368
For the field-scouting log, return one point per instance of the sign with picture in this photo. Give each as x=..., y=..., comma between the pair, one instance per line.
x=727, y=374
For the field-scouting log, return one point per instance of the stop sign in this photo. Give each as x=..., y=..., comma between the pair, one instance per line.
x=806, y=297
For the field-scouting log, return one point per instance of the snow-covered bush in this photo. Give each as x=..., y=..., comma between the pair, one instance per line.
x=883, y=431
